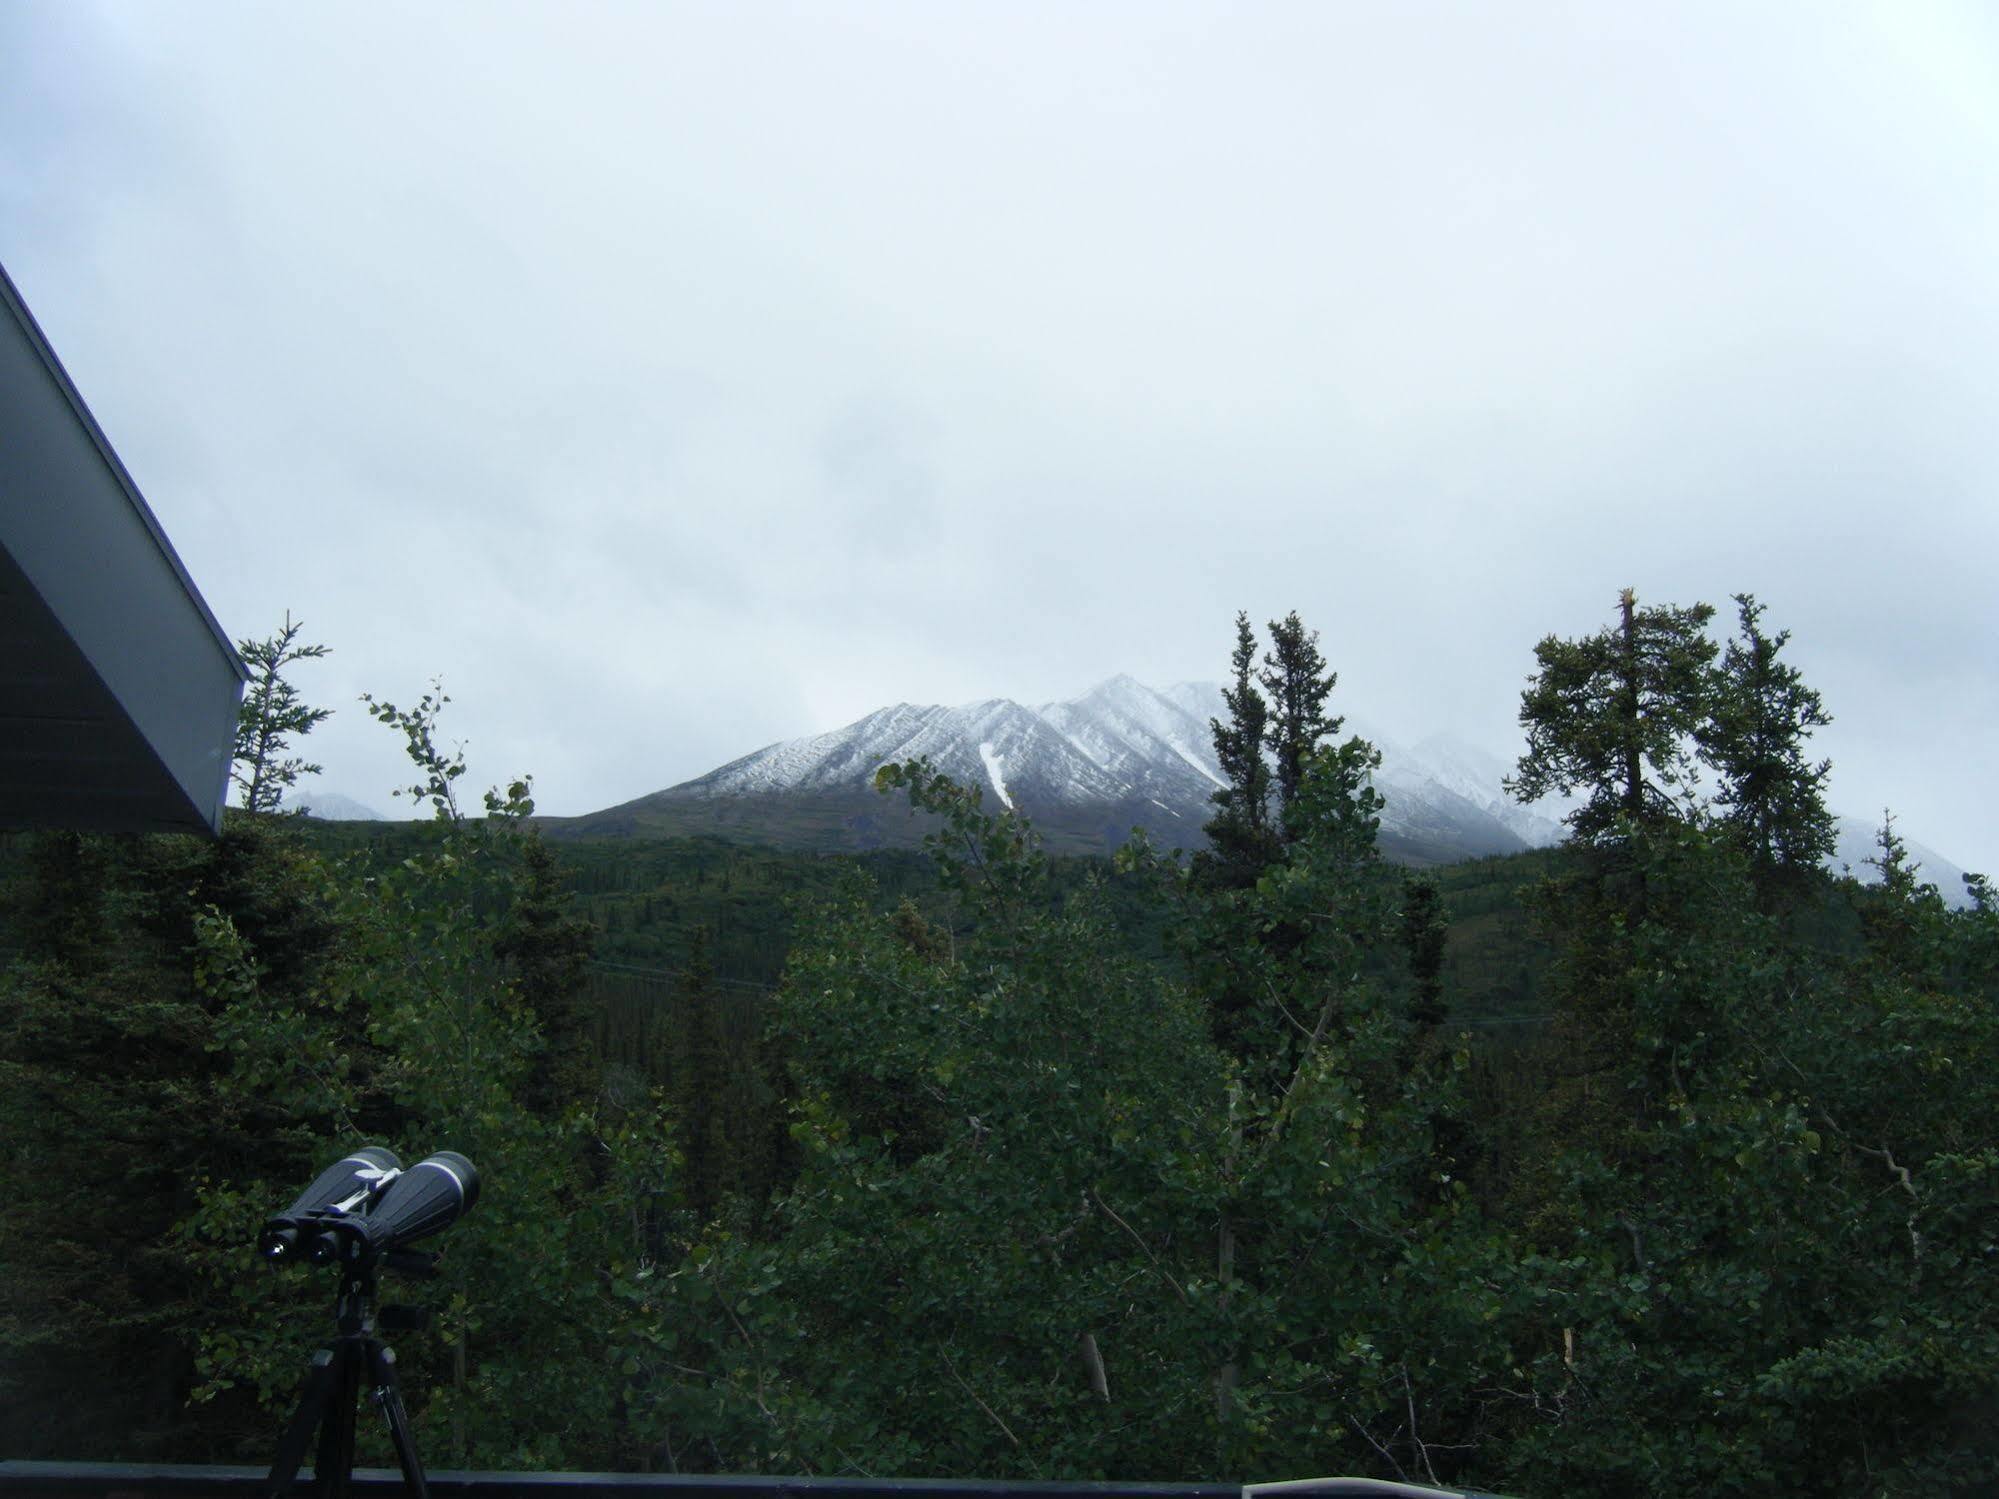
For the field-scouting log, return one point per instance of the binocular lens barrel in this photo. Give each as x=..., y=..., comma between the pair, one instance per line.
x=278, y=1241
x=426, y=1199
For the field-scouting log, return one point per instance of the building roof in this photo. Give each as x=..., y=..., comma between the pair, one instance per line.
x=118, y=689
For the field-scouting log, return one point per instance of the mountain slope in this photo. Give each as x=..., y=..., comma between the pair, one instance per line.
x=331, y=806
x=1086, y=771
x=1089, y=770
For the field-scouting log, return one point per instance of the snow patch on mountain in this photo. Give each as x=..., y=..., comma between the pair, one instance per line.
x=1195, y=760
x=995, y=771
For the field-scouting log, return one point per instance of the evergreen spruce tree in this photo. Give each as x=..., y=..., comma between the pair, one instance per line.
x=1755, y=739
x=271, y=715
x=1901, y=916
x=1424, y=929
x=545, y=947
x=702, y=1090
x=1614, y=716
x=1313, y=843
x=119, y=1089
x=1298, y=683
x=1241, y=839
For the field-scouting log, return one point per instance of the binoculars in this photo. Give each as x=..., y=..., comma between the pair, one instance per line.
x=365, y=1206
x=360, y=1213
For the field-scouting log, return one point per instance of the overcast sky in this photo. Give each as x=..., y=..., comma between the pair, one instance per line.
x=674, y=379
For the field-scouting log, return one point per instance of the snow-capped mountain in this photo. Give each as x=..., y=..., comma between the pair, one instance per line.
x=1090, y=769
x=331, y=806
x=986, y=744
x=1121, y=754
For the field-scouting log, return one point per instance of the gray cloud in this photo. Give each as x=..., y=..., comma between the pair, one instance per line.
x=676, y=379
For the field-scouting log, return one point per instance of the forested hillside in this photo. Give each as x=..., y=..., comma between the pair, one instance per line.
x=1660, y=1163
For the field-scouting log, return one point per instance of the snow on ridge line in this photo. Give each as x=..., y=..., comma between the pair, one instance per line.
x=1195, y=760
x=1081, y=748
x=994, y=766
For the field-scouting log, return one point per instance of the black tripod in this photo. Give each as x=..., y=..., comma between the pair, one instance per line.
x=333, y=1384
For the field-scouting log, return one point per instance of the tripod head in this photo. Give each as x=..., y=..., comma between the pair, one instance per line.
x=354, y=1301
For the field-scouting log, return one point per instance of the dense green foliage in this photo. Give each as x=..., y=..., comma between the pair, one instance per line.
x=191, y=1029
x=1658, y=1164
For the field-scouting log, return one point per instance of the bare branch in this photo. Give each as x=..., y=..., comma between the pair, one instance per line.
x=1902, y=1179
x=1409, y=1395
x=1276, y=999
x=1387, y=1456
x=1164, y=1274
x=990, y=1412
x=1907, y=1184
x=1297, y=1076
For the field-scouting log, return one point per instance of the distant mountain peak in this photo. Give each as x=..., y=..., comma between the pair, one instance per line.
x=331, y=806
x=1121, y=685
x=1120, y=754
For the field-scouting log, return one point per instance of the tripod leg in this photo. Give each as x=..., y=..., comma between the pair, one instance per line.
x=389, y=1397
x=320, y=1377
x=333, y=1468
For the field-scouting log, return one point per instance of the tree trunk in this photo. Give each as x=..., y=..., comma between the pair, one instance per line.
x=1634, y=767
x=1225, y=1377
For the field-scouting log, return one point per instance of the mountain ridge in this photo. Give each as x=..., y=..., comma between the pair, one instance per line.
x=1088, y=770
x=1085, y=770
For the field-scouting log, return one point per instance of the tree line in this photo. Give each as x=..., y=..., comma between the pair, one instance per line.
x=992, y=1192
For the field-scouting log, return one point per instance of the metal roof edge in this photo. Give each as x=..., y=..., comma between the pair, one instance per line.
x=18, y=307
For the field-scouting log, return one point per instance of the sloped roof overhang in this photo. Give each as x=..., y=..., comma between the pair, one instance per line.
x=118, y=690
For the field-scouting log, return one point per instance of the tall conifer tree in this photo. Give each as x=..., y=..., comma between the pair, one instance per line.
x=1425, y=930
x=703, y=1082
x=546, y=949
x=1614, y=715
x=1296, y=678
x=271, y=715
x=1241, y=840
x=1774, y=798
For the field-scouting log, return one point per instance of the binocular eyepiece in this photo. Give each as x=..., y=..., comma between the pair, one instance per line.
x=366, y=1205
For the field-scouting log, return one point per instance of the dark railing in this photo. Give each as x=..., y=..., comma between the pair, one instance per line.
x=22, y=1480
